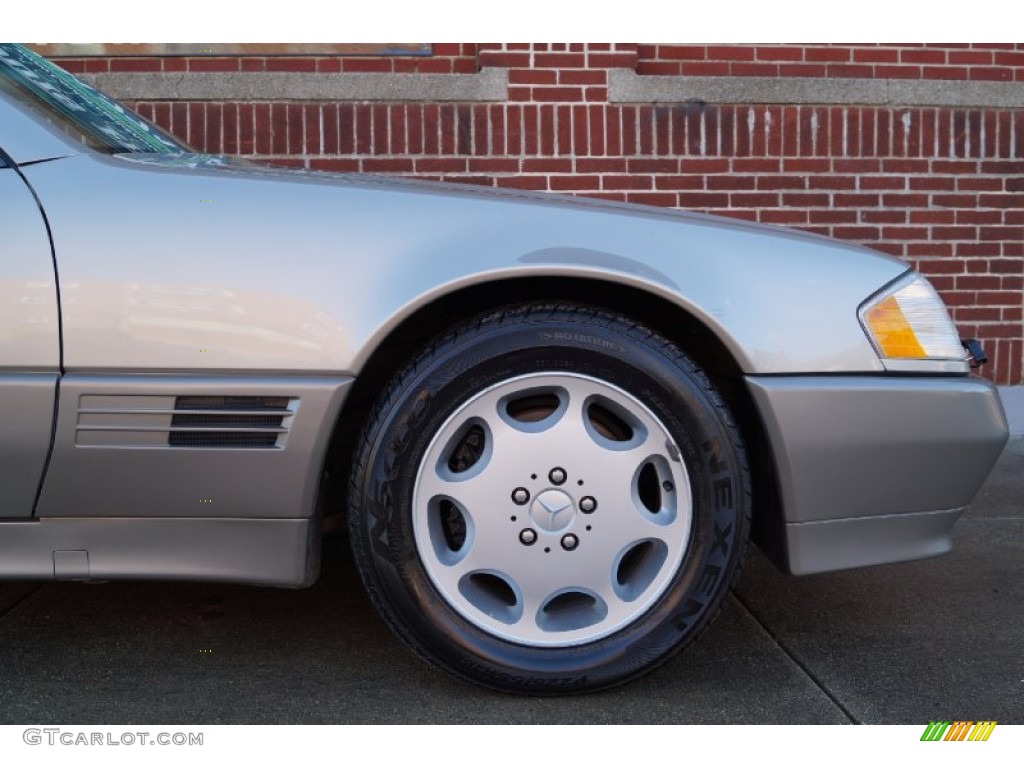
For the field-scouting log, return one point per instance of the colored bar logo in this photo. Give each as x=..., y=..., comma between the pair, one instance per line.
x=959, y=730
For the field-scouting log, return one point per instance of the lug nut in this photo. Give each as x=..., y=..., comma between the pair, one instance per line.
x=667, y=485
x=557, y=476
x=528, y=536
x=569, y=542
x=588, y=504
x=520, y=496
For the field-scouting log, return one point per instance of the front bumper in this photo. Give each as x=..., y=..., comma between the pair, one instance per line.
x=876, y=469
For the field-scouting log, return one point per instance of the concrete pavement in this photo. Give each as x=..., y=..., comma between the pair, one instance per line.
x=908, y=643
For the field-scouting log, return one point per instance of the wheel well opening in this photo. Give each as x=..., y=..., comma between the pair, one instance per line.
x=655, y=312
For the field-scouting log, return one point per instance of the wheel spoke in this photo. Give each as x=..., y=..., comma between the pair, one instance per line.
x=569, y=534
x=472, y=493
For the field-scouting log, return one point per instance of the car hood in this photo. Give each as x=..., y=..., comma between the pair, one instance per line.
x=241, y=167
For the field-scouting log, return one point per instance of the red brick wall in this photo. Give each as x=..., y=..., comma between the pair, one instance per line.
x=942, y=188
x=937, y=61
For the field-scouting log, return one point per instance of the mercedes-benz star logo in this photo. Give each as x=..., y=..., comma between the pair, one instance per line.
x=552, y=510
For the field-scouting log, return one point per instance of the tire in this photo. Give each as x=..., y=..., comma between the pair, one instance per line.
x=549, y=499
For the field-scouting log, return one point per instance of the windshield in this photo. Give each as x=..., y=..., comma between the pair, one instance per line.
x=76, y=108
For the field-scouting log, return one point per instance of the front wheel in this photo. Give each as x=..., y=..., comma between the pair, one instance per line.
x=549, y=500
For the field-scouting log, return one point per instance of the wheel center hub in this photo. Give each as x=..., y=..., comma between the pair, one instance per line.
x=552, y=510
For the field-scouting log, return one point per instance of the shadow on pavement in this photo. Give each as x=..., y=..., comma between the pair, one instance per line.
x=909, y=643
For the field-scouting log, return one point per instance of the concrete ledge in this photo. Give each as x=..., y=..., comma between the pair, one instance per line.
x=625, y=86
x=1013, y=404
x=486, y=85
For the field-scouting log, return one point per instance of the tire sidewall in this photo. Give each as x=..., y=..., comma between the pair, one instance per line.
x=651, y=370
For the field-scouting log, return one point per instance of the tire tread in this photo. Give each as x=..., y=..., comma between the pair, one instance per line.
x=393, y=395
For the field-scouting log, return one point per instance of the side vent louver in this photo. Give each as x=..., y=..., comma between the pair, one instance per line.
x=193, y=421
x=228, y=422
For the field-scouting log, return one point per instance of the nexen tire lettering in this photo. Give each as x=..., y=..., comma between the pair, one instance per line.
x=694, y=496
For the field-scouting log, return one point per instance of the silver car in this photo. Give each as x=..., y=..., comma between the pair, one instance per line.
x=550, y=425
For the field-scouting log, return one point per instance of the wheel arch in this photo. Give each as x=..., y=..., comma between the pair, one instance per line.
x=660, y=314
